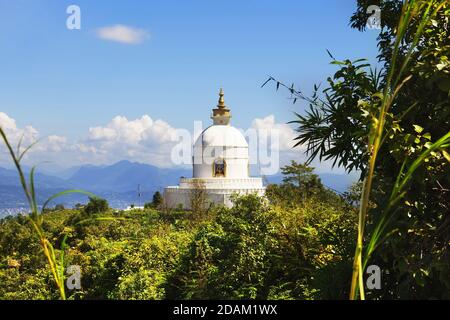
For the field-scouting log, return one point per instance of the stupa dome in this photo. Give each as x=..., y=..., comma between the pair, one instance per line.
x=221, y=136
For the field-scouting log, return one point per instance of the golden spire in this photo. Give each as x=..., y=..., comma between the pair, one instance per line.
x=221, y=104
x=221, y=115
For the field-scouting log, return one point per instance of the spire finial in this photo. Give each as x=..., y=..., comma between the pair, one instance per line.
x=221, y=115
x=221, y=99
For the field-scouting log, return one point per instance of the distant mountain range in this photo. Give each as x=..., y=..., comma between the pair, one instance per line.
x=118, y=183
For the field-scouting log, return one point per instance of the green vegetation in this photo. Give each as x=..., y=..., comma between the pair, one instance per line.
x=393, y=126
x=257, y=249
x=96, y=206
x=157, y=199
x=303, y=241
x=36, y=216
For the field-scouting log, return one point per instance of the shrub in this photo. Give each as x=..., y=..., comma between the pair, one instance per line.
x=96, y=205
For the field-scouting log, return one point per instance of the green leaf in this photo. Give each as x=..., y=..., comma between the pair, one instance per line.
x=446, y=155
x=441, y=66
x=33, y=193
x=427, y=136
x=428, y=145
x=340, y=63
x=417, y=128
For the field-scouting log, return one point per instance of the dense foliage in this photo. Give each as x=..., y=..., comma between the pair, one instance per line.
x=260, y=248
x=390, y=121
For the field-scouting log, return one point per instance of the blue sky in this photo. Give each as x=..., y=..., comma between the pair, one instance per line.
x=63, y=82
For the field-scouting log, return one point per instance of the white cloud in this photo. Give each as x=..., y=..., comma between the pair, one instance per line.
x=135, y=131
x=6, y=122
x=14, y=134
x=285, y=133
x=286, y=149
x=123, y=34
x=53, y=143
x=275, y=145
x=143, y=140
x=47, y=147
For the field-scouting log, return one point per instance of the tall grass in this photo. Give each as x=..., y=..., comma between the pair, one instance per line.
x=56, y=263
x=396, y=78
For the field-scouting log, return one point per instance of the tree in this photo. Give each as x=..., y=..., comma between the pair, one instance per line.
x=157, y=199
x=299, y=184
x=256, y=250
x=198, y=198
x=227, y=258
x=302, y=177
x=59, y=207
x=96, y=205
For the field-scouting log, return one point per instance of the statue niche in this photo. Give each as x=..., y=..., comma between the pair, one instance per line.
x=219, y=168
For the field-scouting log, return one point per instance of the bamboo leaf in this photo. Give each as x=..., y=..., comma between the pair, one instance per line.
x=417, y=128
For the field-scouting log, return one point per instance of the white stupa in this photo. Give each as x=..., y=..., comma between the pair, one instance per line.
x=220, y=165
